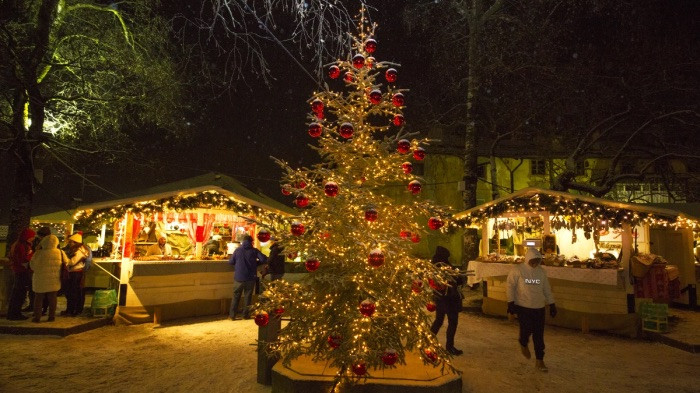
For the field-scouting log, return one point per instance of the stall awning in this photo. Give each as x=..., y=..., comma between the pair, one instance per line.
x=589, y=209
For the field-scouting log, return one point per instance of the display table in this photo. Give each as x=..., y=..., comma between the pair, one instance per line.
x=589, y=299
x=594, y=276
x=163, y=290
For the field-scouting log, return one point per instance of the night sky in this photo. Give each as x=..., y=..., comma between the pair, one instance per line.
x=236, y=132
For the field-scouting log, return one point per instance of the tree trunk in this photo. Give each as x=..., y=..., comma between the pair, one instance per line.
x=494, y=178
x=22, y=195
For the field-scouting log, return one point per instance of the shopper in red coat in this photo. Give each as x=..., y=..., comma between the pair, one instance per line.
x=20, y=254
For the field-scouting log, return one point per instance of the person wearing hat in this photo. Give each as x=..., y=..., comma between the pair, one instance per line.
x=160, y=248
x=46, y=264
x=19, y=256
x=528, y=293
x=275, y=265
x=73, y=276
x=40, y=234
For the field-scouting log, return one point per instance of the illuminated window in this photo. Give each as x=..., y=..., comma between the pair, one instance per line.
x=538, y=167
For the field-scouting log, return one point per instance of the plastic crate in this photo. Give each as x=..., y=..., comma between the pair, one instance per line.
x=654, y=317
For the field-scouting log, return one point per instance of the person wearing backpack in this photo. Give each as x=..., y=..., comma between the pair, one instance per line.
x=74, y=266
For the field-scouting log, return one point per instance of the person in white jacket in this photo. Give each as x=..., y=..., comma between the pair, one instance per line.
x=46, y=264
x=528, y=293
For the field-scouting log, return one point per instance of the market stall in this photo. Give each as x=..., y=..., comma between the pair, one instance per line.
x=601, y=257
x=201, y=221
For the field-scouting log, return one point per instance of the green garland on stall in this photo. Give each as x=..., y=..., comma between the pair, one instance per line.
x=202, y=200
x=569, y=213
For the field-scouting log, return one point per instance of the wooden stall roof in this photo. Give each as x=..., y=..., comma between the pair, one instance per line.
x=668, y=211
x=222, y=184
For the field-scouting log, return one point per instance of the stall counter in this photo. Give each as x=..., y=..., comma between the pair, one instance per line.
x=170, y=289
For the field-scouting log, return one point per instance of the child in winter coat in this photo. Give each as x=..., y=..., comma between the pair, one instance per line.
x=46, y=264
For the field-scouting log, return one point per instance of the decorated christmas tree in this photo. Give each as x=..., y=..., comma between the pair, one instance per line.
x=367, y=300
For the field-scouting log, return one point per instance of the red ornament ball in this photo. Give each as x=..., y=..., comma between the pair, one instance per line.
x=407, y=167
x=279, y=310
x=398, y=120
x=435, y=223
x=430, y=355
x=397, y=99
x=419, y=153
x=300, y=185
x=436, y=286
x=346, y=130
x=349, y=77
x=390, y=357
x=405, y=234
x=263, y=235
x=375, y=97
x=333, y=72
x=301, y=200
x=262, y=318
x=415, y=238
x=431, y=307
x=404, y=146
x=312, y=264
x=370, y=62
x=334, y=340
x=315, y=130
x=359, y=368
x=331, y=189
x=358, y=61
x=292, y=255
x=319, y=115
x=317, y=106
x=391, y=75
x=417, y=286
x=371, y=215
x=367, y=308
x=298, y=228
x=286, y=189
x=376, y=258
x=415, y=187
x=370, y=45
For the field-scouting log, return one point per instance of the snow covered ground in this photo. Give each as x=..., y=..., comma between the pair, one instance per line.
x=218, y=355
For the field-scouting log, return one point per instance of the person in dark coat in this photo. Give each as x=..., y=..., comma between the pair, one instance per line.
x=245, y=261
x=275, y=266
x=20, y=255
x=448, y=301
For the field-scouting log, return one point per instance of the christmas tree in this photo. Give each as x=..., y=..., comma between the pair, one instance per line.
x=364, y=304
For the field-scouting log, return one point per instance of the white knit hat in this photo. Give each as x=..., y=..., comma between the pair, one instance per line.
x=531, y=254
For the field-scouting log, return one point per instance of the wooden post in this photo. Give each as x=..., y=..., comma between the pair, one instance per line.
x=157, y=315
x=485, y=238
x=266, y=334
